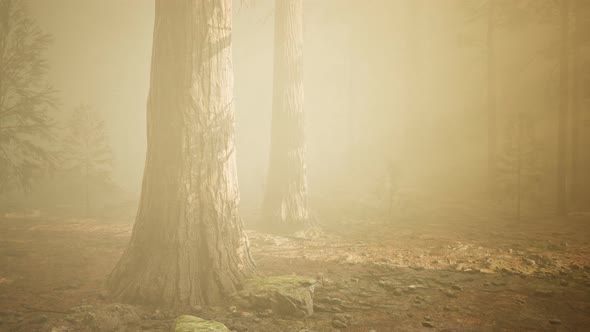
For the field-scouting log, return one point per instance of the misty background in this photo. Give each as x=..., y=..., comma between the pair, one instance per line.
x=394, y=93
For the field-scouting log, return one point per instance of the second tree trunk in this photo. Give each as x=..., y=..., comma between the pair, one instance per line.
x=285, y=203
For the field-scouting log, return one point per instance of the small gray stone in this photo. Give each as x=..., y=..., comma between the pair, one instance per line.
x=427, y=324
x=450, y=294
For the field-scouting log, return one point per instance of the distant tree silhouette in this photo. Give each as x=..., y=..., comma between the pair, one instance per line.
x=86, y=151
x=25, y=97
x=518, y=170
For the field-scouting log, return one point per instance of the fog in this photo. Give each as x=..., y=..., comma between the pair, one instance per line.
x=402, y=165
x=358, y=78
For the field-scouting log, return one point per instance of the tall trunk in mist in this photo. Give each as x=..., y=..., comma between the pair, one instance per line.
x=285, y=203
x=411, y=73
x=188, y=245
x=491, y=98
x=563, y=109
x=519, y=129
x=574, y=188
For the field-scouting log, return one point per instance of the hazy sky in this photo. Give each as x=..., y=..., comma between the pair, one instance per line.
x=355, y=80
x=101, y=56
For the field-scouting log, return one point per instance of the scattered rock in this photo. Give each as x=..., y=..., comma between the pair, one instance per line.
x=427, y=324
x=450, y=294
x=457, y=287
x=397, y=292
x=428, y=318
x=286, y=295
x=188, y=323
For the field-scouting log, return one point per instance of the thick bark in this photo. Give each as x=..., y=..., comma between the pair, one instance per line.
x=188, y=245
x=491, y=102
x=285, y=203
x=563, y=109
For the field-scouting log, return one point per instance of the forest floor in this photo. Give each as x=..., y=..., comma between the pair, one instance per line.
x=450, y=275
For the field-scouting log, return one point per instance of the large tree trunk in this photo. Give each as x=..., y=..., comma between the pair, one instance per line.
x=285, y=203
x=491, y=102
x=188, y=245
x=563, y=109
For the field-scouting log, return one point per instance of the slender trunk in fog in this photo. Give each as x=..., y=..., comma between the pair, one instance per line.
x=519, y=125
x=188, y=245
x=563, y=109
x=574, y=191
x=491, y=102
x=285, y=202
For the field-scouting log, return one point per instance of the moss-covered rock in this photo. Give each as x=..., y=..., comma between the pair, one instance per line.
x=186, y=323
x=286, y=295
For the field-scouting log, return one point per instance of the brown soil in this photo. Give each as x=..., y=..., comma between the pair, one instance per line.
x=383, y=276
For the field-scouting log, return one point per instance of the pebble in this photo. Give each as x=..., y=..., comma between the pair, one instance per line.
x=427, y=324
x=450, y=294
x=397, y=292
x=457, y=287
x=428, y=318
x=555, y=321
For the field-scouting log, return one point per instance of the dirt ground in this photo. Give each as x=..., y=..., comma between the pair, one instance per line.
x=455, y=275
